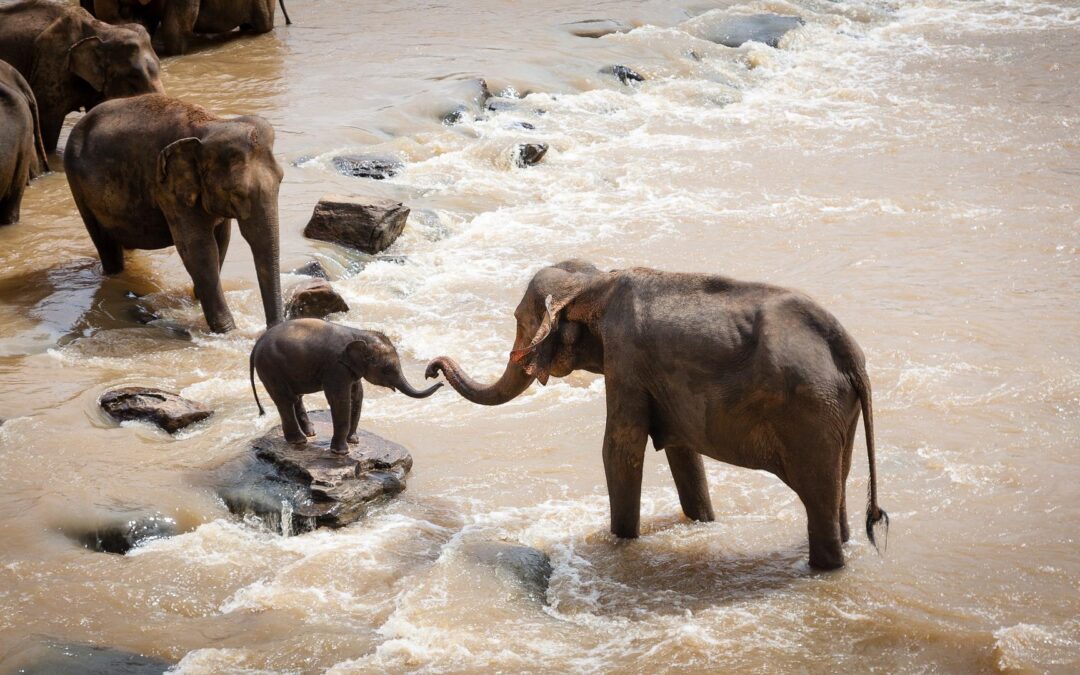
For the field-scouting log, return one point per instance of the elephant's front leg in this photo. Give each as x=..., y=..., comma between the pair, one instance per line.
x=688, y=470
x=198, y=250
x=177, y=25
x=338, y=392
x=357, y=404
x=624, y=455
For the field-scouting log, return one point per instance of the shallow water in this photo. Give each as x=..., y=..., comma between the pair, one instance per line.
x=914, y=166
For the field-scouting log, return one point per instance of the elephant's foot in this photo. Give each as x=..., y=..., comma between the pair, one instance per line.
x=307, y=427
x=826, y=555
x=342, y=450
x=296, y=439
x=353, y=439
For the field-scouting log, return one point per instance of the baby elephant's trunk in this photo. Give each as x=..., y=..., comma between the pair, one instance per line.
x=404, y=387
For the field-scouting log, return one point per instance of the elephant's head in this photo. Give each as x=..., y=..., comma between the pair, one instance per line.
x=556, y=334
x=229, y=171
x=373, y=357
x=115, y=61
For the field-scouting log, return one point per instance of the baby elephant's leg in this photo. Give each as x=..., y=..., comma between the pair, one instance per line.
x=339, y=395
x=286, y=405
x=357, y=403
x=301, y=417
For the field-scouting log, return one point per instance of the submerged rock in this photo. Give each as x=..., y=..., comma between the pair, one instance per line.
x=167, y=410
x=72, y=658
x=295, y=489
x=124, y=533
x=734, y=31
x=523, y=565
x=528, y=154
x=625, y=74
x=472, y=95
x=366, y=223
x=597, y=28
x=368, y=166
x=314, y=299
x=312, y=269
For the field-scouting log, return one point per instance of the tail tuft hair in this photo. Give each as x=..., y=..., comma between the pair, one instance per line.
x=872, y=519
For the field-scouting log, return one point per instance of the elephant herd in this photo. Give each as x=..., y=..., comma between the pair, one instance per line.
x=746, y=373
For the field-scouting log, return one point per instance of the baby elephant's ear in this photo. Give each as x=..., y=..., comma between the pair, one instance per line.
x=357, y=357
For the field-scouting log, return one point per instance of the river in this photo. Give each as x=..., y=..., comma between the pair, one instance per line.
x=914, y=166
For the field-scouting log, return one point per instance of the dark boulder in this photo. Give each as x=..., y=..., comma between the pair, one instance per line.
x=597, y=28
x=525, y=566
x=366, y=223
x=625, y=74
x=314, y=299
x=295, y=489
x=167, y=410
x=734, y=31
x=368, y=166
x=71, y=658
x=471, y=96
x=528, y=154
x=312, y=269
x=123, y=533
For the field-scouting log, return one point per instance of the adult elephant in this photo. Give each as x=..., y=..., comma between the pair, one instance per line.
x=151, y=171
x=73, y=61
x=750, y=374
x=22, y=155
x=145, y=12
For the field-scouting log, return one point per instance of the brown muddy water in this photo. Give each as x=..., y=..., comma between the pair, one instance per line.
x=915, y=166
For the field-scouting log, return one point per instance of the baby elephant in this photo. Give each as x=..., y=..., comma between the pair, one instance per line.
x=303, y=356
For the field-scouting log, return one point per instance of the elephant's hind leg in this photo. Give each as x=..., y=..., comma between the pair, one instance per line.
x=817, y=482
x=302, y=418
x=109, y=250
x=286, y=405
x=688, y=470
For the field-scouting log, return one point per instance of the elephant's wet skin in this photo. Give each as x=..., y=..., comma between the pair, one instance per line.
x=750, y=374
x=304, y=356
x=22, y=152
x=151, y=171
x=73, y=61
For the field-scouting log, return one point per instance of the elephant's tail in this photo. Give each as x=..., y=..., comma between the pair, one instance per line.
x=874, y=514
x=288, y=21
x=251, y=373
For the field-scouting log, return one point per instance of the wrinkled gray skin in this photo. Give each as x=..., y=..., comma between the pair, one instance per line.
x=152, y=171
x=73, y=61
x=22, y=154
x=749, y=374
x=304, y=356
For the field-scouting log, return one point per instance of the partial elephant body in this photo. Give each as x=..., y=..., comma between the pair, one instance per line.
x=749, y=374
x=73, y=61
x=22, y=155
x=181, y=19
x=309, y=355
x=150, y=171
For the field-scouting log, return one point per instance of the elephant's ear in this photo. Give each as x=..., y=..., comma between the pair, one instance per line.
x=357, y=356
x=178, y=170
x=534, y=360
x=85, y=60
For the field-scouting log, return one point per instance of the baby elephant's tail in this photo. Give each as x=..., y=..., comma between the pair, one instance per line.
x=251, y=366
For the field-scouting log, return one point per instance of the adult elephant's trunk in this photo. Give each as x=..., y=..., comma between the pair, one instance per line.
x=404, y=387
x=261, y=232
x=510, y=384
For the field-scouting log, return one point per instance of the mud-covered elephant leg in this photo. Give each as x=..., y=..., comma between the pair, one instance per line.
x=688, y=470
x=624, y=455
x=109, y=250
x=338, y=390
x=357, y=405
x=198, y=250
x=302, y=418
x=178, y=25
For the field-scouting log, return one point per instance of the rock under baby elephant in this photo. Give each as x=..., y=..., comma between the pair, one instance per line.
x=314, y=299
x=526, y=566
x=734, y=31
x=55, y=657
x=124, y=532
x=366, y=223
x=165, y=409
x=528, y=154
x=367, y=166
x=300, y=488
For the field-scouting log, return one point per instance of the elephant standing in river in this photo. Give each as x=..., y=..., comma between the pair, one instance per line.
x=22, y=154
x=750, y=374
x=73, y=61
x=152, y=171
x=309, y=355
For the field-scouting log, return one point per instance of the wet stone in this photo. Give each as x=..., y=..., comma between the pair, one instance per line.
x=597, y=28
x=377, y=167
x=125, y=533
x=314, y=299
x=296, y=489
x=734, y=31
x=625, y=74
x=165, y=409
x=528, y=154
x=71, y=658
x=365, y=223
x=312, y=269
x=525, y=566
